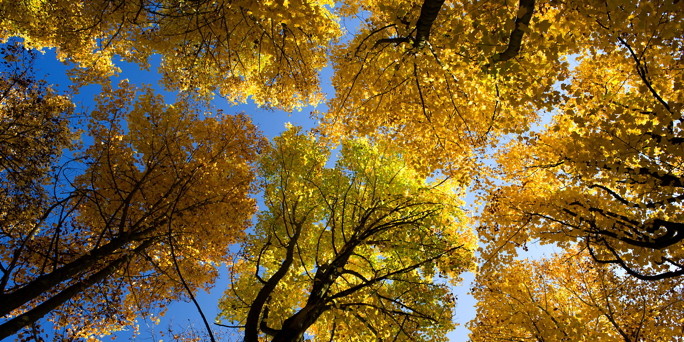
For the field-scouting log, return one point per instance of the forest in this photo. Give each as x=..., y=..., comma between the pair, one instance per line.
x=449, y=137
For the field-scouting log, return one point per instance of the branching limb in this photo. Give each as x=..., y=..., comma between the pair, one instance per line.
x=522, y=22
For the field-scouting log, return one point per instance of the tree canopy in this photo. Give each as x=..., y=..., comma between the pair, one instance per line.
x=132, y=222
x=605, y=173
x=562, y=118
x=353, y=252
x=268, y=50
x=569, y=298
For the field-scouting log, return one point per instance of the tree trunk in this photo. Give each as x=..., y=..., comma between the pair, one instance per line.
x=428, y=15
x=42, y=284
x=28, y=318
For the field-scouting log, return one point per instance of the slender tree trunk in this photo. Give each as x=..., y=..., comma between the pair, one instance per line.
x=42, y=284
x=28, y=318
x=296, y=325
x=253, y=321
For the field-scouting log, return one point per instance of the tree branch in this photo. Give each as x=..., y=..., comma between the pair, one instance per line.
x=522, y=23
x=12, y=326
x=618, y=260
x=406, y=269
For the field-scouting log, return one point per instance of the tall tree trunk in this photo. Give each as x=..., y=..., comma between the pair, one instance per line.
x=428, y=15
x=42, y=284
x=253, y=322
x=31, y=316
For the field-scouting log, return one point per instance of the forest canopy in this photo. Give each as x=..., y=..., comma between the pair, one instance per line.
x=454, y=136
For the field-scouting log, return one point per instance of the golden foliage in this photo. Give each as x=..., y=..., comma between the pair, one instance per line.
x=569, y=298
x=607, y=171
x=269, y=50
x=456, y=87
x=145, y=218
x=350, y=252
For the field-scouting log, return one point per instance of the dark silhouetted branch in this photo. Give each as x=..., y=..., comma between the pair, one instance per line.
x=522, y=22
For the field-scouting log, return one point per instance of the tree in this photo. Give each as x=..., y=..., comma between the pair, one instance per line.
x=271, y=51
x=570, y=298
x=448, y=81
x=608, y=170
x=134, y=221
x=350, y=252
x=610, y=180
x=33, y=132
x=441, y=79
x=453, y=85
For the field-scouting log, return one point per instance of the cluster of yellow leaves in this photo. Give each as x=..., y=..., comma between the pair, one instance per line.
x=608, y=170
x=173, y=175
x=269, y=50
x=33, y=132
x=569, y=298
x=445, y=101
x=164, y=188
x=387, y=232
